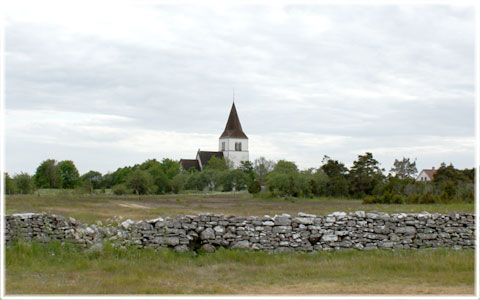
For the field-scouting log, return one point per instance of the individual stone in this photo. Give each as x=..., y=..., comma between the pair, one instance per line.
x=360, y=214
x=284, y=250
x=281, y=229
x=305, y=221
x=127, y=223
x=219, y=229
x=406, y=230
x=339, y=214
x=172, y=240
x=305, y=215
x=209, y=248
x=208, y=234
x=386, y=244
x=329, y=238
x=282, y=221
x=181, y=248
x=241, y=245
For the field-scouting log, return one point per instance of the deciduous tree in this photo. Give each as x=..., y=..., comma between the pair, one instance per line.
x=48, y=175
x=69, y=174
x=24, y=183
x=141, y=182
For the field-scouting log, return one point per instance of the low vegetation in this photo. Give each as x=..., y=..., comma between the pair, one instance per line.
x=55, y=269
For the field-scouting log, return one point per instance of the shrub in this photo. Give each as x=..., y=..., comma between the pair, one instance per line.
x=254, y=187
x=369, y=200
x=398, y=199
x=412, y=199
x=119, y=189
x=428, y=198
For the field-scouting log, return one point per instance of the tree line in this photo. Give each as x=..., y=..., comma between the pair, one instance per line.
x=365, y=179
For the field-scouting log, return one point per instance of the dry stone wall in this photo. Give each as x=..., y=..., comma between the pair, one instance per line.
x=280, y=233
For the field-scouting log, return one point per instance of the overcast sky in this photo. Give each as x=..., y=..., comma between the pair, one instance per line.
x=112, y=84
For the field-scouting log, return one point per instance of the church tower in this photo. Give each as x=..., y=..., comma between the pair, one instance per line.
x=234, y=142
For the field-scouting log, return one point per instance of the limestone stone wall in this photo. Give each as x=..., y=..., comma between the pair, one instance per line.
x=280, y=233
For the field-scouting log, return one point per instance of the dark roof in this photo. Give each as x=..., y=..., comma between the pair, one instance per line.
x=233, y=128
x=187, y=164
x=205, y=156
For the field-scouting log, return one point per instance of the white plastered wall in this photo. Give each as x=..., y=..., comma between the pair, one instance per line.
x=229, y=153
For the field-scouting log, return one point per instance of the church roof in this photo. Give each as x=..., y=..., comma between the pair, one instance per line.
x=233, y=129
x=187, y=164
x=205, y=156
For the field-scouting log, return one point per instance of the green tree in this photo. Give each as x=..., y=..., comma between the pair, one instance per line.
x=216, y=163
x=93, y=178
x=141, y=182
x=449, y=173
x=160, y=179
x=277, y=182
x=239, y=179
x=284, y=166
x=404, y=169
x=211, y=177
x=24, y=183
x=333, y=168
x=364, y=175
x=48, y=175
x=178, y=181
x=69, y=174
x=10, y=187
x=120, y=175
x=248, y=169
x=337, y=183
x=170, y=167
x=196, y=181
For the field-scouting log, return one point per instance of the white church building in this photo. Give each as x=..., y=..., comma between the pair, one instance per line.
x=232, y=145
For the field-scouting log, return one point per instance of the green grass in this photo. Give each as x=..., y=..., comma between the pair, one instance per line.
x=55, y=269
x=90, y=208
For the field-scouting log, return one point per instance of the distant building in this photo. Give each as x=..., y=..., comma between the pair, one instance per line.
x=426, y=174
x=232, y=145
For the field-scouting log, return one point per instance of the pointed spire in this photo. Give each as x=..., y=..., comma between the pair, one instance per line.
x=233, y=129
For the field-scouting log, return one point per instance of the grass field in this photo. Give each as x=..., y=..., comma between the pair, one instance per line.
x=56, y=269
x=90, y=208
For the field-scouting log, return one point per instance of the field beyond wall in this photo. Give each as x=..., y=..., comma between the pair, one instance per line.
x=54, y=269
x=92, y=208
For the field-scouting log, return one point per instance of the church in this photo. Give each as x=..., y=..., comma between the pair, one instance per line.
x=232, y=146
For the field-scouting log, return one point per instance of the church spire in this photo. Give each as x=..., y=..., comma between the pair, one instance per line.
x=233, y=129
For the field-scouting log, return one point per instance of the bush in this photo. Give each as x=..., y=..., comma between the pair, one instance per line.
x=369, y=200
x=398, y=199
x=254, y=187
x=428, y=198
x=412, y=199
x=119, y=189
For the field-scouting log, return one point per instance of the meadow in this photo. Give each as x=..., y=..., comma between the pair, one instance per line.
x=53, y=268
